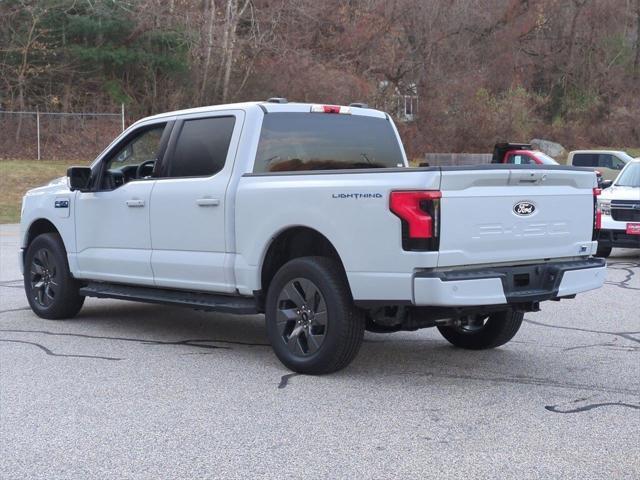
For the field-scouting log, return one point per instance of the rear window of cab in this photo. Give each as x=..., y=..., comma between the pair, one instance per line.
x=318, y=141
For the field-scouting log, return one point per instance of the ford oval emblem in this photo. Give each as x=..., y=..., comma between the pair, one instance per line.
x=523, y=209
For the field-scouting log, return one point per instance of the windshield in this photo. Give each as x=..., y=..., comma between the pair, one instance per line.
x=545, y=159
x=630, y=176
x=624, y=157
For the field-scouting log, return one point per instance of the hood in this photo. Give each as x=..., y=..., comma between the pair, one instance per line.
x=620, y=193
x=58, y=181
x=58, y=185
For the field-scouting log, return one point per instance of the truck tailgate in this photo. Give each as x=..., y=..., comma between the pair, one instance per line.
x=507, y=215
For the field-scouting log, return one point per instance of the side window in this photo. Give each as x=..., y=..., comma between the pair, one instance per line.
x=201, y=148
x=605, y=160
x=616, y=163
x=585, y=160
x=142, y=147
x=135, y=159
x=519, y=159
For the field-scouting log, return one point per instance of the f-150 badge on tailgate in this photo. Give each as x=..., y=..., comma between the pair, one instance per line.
x=523, y=209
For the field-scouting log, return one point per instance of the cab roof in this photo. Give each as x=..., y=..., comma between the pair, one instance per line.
x=266, y=107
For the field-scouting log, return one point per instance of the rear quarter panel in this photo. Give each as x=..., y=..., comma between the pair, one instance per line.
x=350, y=209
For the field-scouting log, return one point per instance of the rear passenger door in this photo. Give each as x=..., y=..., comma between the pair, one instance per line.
x=189, y=205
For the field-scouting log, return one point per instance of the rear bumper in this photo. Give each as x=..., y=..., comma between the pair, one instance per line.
x=618, y=238
x=508, y=285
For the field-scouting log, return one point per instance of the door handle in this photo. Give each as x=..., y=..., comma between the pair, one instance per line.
x=135, y=203
x=208, y=202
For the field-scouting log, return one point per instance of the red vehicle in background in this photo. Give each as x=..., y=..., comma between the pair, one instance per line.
x=524, y=154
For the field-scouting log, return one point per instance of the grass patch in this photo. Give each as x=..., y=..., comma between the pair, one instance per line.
x=18, y=176
x=634, y=152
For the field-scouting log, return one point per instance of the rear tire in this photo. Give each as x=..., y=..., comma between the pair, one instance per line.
x=312, y=323
x=51, y=290
x=488, y=332
x=603, y=252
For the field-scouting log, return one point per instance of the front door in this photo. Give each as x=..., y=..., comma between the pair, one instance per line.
x=189, y=205
x=112, y=221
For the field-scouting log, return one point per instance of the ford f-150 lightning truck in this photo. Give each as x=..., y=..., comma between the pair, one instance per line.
x=311, y=215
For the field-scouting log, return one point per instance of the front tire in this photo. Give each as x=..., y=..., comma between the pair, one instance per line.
x=312, y=324
x=484, y=331
x=51, y=290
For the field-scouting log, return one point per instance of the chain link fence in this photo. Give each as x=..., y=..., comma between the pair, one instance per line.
x=31, y=135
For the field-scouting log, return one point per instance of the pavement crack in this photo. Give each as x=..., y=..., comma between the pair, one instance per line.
x=610, y=346
x=284, y=380
x=198, y=342
x=15, y=310
x=555, y=408
x=625, y=335
x=522, y=380
x=628, y=268
x=53, y=354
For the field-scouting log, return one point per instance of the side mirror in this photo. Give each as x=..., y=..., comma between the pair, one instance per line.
x=606, y=183
x=79, y=178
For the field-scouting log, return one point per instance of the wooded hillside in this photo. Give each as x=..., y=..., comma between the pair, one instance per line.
x=459, y=74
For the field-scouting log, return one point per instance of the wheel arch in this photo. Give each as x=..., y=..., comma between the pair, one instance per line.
x=38, y=227
x=294, y=242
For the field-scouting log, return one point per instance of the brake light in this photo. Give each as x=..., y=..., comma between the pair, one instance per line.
x=330, y=109
x=419, y=211
x=597, y=214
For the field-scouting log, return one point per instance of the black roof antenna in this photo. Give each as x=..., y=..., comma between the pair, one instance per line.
x=277, y=100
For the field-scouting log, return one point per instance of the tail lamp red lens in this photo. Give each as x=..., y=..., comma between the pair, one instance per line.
x=597, y=214
x=419, y=211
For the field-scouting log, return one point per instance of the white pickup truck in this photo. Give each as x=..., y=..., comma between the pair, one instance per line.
x=311, y=215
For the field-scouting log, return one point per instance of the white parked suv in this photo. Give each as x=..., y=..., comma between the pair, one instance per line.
x=310, y=215
x=620, y=207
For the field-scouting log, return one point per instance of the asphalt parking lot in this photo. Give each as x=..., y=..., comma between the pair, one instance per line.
x=140, y=391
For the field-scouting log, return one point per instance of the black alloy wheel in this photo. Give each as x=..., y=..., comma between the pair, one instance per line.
x=302, y=317
x=312, y=323
x=44, y=278
x=51, y=290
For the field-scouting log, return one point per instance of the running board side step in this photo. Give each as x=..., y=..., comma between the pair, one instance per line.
x=199, y=301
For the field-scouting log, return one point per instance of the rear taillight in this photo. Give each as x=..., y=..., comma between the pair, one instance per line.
x=597, y=214
x=419, y=211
